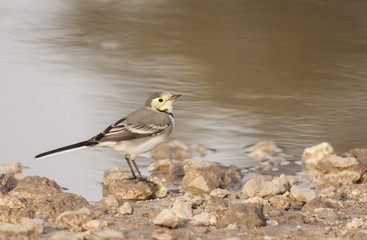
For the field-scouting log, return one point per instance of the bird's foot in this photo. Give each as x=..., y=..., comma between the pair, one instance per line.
x=139, y=179
x=145, y=180
x=132, y=178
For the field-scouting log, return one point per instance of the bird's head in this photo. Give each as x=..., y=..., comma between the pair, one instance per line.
x=161, y=101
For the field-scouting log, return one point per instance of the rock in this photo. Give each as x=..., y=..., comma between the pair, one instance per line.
x=14, y=215
x=110, y=202
x=321, y=203
x=204, y=219
x=173, y=149
x=326, y=213
x=182, y=209
x=339, y=178
x=313, y=155
x=160, y=190
x=109, y=234
x=339, y=170
x=67, y=235
x=360, y=235
x=327, y=192
x=338, y=162
x=302, y=194
x=75, y=219
x=167, y=219
x=356, y=223
x=257, y=200
x=265, y=149
x=59, y=203
x=174, y=175
x=262, y=150
x=160, y=165
x=125, y=209
x=214, y=204
x=19, y=231
x=115, y=175
x=203, y=177
x=13, y=201
x=222, y=193
x=95, y=225
x=359, y=154
x=36, y=224
x=284, y=182
x=280, y=202
x=32, y=187
x=38, y=181
x=258, y=187
x=11, y=168
x=162, y=234
x=7, y=182
x=234, y=174
x=244, y=215
x=131, y=189
x=195, y=200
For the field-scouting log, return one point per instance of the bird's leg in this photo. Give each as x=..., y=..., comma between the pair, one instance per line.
x=137, y=169
x=127, y=158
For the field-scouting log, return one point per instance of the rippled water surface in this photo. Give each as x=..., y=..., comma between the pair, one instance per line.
x=291, y=71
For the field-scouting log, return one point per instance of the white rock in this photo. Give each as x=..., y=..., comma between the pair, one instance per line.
x=12, y=201
x=95, y=225
x=110, y=202
x=36, y=224
x=257, y=200
x=195, y=200
x=203, y=177
x=64, y=235
x=110, y=234
x=302, y=194
x=337, y=178
x=356, y=223
x=222, y=193
x=166, y=218
x=13, y=167
x=75, y=219
x=161, y=190
x=258, y=187
x=204, y=219
x=125, y=208
x=182, y=209
x=313, y=155
x=341, y=162
x=283, y=182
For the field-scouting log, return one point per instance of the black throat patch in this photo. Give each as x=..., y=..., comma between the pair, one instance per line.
x=166, y=112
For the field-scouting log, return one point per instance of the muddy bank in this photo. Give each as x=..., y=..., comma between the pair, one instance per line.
x=188, y=198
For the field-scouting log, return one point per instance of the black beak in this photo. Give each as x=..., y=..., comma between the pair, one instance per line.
x=173, y=97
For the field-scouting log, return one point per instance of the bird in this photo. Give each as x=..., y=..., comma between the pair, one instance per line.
x=138, y=132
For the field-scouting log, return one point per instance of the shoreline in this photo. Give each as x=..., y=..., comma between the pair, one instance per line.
x=194, y=199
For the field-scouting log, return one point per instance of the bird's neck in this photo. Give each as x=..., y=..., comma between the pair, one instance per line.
x=166, y=112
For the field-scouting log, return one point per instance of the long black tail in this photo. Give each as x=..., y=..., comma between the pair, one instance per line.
x=71, y=147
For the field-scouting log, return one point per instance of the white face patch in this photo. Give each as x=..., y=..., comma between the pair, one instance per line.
x=163, y=103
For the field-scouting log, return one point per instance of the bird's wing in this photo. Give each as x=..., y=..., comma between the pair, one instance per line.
x=139, y=124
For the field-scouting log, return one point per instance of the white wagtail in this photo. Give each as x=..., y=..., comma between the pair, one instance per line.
x=138, y=132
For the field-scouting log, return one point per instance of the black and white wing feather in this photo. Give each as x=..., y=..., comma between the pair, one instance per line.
x=139, y=124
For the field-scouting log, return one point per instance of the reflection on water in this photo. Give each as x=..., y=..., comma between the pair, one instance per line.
x=293, y=72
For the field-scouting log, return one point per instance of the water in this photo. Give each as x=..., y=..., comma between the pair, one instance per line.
x=293, y=72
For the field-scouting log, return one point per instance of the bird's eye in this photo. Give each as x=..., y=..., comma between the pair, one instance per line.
x=160, y=100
